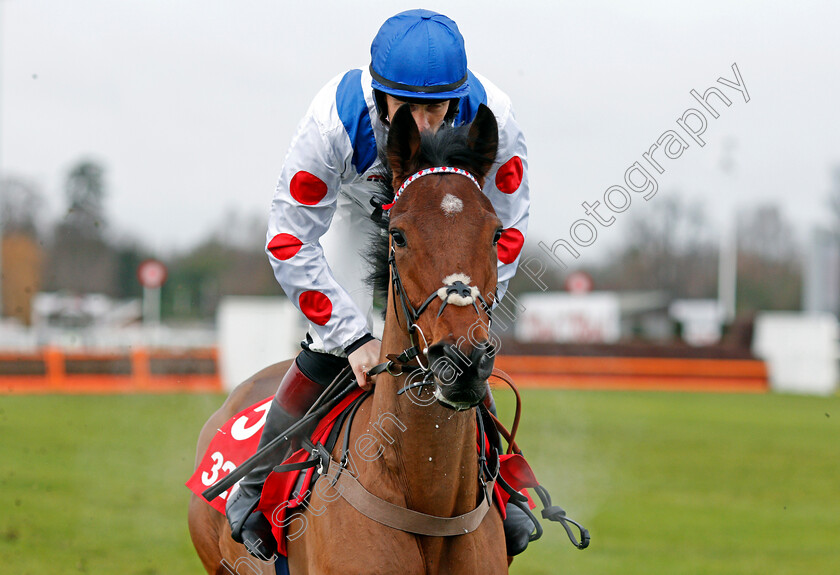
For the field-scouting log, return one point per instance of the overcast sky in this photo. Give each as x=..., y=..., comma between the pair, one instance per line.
x=191, y=104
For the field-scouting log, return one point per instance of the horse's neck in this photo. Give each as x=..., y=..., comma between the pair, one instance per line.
x=433, y=456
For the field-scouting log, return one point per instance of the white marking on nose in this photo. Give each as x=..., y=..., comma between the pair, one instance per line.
x=451, y=205
x=457, y=299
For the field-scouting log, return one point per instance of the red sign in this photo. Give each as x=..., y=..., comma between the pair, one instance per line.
x=151, y=273
x=579, y=282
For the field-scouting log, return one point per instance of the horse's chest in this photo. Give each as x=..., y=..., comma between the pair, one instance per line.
x=355, y=551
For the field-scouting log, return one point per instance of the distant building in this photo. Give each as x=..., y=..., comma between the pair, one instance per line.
x=595, y=317
x=821, y=291
x=64, y=310
x=701, y=320
x=22, y=259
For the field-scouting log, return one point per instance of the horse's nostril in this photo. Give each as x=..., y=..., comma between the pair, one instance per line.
x=434, y=353
x=443, y=365
x=450, y=364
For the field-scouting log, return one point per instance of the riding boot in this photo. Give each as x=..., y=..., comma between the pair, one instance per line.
x=518, y=528
x=517, y=525
x=295, y=394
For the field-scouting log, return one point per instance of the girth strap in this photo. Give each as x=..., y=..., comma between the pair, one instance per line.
x=401, y=518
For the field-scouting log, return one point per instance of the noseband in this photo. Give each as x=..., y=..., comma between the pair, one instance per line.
x=454, y=291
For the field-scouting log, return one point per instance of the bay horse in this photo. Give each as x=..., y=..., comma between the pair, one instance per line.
x=436, y=261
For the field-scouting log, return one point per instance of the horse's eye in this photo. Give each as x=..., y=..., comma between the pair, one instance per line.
x=399, y=238
x=497, y=237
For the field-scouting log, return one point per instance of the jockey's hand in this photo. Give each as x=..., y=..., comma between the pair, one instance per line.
x=362, y=360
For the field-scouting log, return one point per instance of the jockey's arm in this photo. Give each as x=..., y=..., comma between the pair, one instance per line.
x=301, y=212
x=508, y=190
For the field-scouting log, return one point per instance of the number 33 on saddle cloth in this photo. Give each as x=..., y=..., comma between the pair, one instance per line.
x=238, y=439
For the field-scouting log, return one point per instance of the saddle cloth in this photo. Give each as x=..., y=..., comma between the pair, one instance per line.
x=239, y=437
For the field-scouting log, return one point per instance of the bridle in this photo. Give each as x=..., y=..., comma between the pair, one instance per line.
x=428, y=172
x=455, y=291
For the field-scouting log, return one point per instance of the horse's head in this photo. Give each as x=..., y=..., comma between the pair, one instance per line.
x=443, y=235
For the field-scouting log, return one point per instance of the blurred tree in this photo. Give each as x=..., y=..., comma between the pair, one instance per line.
x=553, y=277
x=769, y=268
x=21, y=206
x=81, y=259
x=85, y=193
x=231, y=261
x=834, y=199
x=128, y=258
x=764, y=232
x=668, y=246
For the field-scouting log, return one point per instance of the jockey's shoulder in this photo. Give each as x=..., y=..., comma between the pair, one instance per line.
x=496, y=99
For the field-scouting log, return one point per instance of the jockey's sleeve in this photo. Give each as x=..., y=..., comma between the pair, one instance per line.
x=301, y=211
x=507, y=189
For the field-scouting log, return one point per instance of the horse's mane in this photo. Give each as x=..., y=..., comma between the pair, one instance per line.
x=447, y=147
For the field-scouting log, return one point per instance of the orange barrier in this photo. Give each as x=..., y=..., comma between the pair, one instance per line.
x=640, y=373
x=53, y=370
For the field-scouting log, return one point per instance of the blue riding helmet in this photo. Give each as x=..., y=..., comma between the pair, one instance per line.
x=419, y=54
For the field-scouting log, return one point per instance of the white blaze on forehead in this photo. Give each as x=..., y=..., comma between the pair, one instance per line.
x=451, y=205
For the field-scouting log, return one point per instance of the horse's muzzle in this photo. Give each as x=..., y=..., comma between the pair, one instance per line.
x=461, y=374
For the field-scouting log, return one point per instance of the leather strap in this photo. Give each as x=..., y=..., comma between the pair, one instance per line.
x=401, y=518
x=283, y=468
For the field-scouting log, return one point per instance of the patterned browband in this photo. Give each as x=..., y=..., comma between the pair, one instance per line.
x=427, y=172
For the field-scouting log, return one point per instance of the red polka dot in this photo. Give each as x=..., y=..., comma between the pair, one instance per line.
x=307, y=189
x=509, y=176
x=315, y=306
x=510, y=244
x=284, y=246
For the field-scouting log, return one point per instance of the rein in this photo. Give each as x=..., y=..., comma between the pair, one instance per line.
x=343, y=384
x=457, y=292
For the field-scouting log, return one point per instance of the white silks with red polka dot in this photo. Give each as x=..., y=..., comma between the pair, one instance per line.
x=319, y=221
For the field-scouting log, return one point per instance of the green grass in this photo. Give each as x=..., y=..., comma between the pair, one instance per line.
x=687, y=483
x=667, y=483
x=94, y=484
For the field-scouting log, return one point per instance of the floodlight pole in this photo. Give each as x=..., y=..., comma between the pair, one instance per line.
x=728, y=270
x=728, y=251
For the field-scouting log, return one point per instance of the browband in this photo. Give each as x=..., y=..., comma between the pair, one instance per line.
x=427, y=172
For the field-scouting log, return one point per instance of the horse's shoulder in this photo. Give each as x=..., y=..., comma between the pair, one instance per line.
x=262, y=384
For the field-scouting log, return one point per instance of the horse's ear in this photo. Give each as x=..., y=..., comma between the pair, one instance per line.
x=403, y=143
x=484, y=137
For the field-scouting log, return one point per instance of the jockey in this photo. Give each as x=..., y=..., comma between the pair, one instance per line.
x=321, y=216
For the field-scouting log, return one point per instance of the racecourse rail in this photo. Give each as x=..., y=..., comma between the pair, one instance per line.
x=141, y=370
